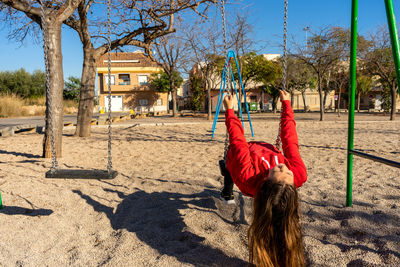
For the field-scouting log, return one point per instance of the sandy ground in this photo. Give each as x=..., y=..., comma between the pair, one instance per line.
x=163, y=208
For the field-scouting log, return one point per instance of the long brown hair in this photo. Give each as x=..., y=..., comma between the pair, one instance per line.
x=275, y=238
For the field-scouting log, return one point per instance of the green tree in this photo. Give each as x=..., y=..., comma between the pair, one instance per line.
x=270, y=74
x=197, y=93
x=22, y=83
x=363, y=86
x=4, y=78
x=386, y=98
x=378, y=62
x=19, y=83
x=38, y=86
x=339, y=80
x=162, y=83
x=252, y=68
x=255, y=68
x=72, y=88
x=323, y=52
x=300, y=77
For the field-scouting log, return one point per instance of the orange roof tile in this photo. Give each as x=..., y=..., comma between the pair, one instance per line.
x=143, y=60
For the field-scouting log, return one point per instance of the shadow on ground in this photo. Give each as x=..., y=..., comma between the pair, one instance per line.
x=156, y=220
x=17, y=154
x=353, y=236
x=13, y=210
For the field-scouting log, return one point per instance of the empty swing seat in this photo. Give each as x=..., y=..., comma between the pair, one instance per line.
x=81, y=174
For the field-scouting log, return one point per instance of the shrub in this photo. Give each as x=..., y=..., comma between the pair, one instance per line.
x=11, y=106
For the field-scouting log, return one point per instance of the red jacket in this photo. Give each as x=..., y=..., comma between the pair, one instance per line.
x=249, y=163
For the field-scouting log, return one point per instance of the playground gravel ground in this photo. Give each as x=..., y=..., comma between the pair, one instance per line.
x=163, y=207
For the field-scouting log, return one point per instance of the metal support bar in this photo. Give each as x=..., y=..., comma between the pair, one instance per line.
x=394, y=38
x=237, y=97
x=220, y=96
x=353, y=54
x=244, y=96
x=376, y=158
x=350, y=136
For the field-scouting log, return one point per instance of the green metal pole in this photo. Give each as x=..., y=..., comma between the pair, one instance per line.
x=350, y=137
x=1, y=203
x=394, y=38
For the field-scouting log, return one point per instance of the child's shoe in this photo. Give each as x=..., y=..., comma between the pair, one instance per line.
x=228, y=199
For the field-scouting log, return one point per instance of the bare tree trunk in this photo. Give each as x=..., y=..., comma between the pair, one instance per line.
x=209, y=113
x=321, y=108
x=52, y=24
x=86, y=99
x=321, y=100
x=325, y=96
x=339, y=100
x=303, y=94
x=239, y=101
x=262, y=100
x=209, y=109
x=274, y=104
x=240, y=97
x=358, y=102
x=291, y=99
x=173, y=92
x=168, y=109
x=394, y=101
x=56, y=84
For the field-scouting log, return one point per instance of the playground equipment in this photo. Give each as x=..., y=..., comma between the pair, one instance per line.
x=226, y=78
x=54, y=171
x=353, y=57
x=226, y=72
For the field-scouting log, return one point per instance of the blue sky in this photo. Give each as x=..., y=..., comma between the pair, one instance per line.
x=265, y=15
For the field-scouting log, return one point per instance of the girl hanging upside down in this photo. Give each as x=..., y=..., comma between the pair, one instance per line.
x=261, y=171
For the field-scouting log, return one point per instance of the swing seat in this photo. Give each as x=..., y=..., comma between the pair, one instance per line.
x=81, y=174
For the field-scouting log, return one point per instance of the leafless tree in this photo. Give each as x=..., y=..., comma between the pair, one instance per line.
x=205, y=44
x=136, y=23
x=340, y=80
x=242, y=42
x=299, y=77
x=55, y=12
x=378, y=61
x=325, y=49
x=170, y=52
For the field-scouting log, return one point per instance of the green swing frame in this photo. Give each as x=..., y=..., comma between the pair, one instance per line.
x=353, y=60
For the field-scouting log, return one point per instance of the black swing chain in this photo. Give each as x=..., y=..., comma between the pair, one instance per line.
x=226, y=144
x=284, y=74
x=109, y=158
x=54, y=163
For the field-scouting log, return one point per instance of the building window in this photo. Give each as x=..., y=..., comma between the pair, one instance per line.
x=142, y=79
x=143, y=102
x=112, y=79
x=124, y=79
x=159, y=102
x=253, y=98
